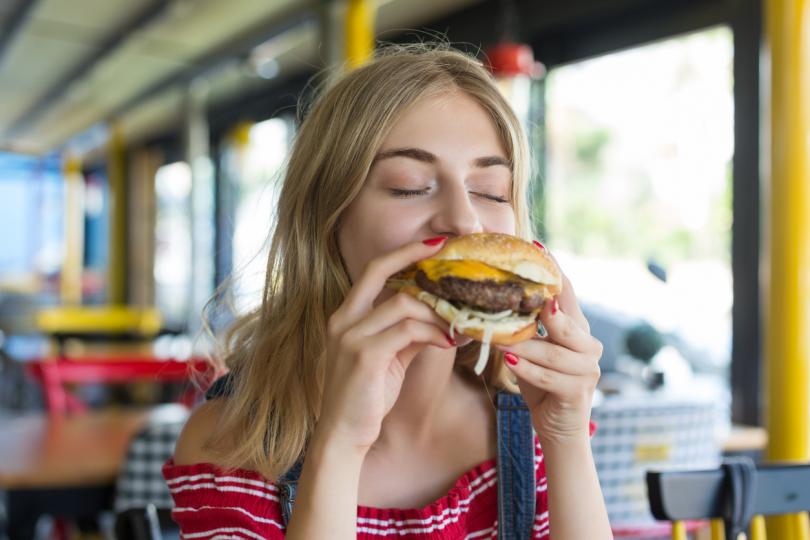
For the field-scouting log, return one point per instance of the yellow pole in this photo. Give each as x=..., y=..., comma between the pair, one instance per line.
x=788, y=321
x=240, y=134
x=679, y=530
x=359, y=32
x=758, y=528
x=239, y=138
x=116, y=172
x=70, y=283
x=718, y=529
x=801, y=526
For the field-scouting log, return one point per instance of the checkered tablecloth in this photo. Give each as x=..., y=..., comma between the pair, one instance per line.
x=141, y=480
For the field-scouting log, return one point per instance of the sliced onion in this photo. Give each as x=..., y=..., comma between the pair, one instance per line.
x=493, y=316
x=483, y=355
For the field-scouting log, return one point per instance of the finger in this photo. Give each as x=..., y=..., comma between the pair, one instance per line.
x=409, y=353
x=401, y=338
x=552, y=356
x=395, y=309
x=568, y=298
x=537, y=376
x=568, y=303
x=548, y=380
x=362, y=295
x=563, y=330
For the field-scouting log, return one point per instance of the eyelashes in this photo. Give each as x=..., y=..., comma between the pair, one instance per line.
x=409, y=193
x=405, y=193
x=494, y=198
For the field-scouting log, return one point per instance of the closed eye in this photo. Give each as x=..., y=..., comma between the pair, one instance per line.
x=396, y=192
x=495, y=198
x=405, y=193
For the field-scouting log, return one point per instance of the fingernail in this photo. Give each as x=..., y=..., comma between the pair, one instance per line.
x=538, y=244
x=554, y=307
x=450, y=340
x=510, y=358
x=434, y=241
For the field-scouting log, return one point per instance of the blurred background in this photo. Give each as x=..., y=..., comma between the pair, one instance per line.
x=142, y=145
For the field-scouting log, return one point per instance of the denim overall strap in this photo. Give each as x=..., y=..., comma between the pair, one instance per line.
x=288, y=483
x=287, y=486
x=221, y=387
x=516, y=476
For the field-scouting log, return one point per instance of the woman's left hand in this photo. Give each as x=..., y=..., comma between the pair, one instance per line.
x=557, y=374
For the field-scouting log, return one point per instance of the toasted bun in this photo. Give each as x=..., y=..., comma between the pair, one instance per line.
x=512, y=330
x=507, y=253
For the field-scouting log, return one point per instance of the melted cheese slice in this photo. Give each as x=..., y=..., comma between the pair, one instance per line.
x=476, y=271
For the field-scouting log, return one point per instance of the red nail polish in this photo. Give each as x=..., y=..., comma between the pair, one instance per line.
x=538, y=244
x=450, y=340
x=554, y=307
x=434, y=241
x=510, y=358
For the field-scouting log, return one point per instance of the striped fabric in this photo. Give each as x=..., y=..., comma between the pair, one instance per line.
x=214, y=504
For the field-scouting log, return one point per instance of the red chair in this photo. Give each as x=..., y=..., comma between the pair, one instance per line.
x=55, y=373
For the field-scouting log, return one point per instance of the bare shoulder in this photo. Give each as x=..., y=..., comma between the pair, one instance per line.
x=191, y=446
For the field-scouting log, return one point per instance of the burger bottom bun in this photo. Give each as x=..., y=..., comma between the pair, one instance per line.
x=508, y=331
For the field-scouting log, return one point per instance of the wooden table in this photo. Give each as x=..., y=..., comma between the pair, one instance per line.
x=39, y=450
x=743, y=439
x=65, y=465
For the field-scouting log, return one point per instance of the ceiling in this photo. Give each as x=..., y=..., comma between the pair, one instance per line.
x=69, y=69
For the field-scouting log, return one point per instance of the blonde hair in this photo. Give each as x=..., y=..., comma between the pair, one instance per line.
x=276, y=353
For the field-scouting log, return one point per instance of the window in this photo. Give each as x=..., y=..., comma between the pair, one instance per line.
x=173, y=243
x=255, y=171
x=31, y=216
x=638, y=185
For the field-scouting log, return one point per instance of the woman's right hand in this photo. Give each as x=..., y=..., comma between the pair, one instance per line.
x=369, y=349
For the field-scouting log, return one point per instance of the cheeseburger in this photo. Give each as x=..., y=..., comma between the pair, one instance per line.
x=488, y=286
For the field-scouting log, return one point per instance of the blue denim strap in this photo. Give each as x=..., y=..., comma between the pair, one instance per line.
x=222, y=387
x=516, y=477
x=288, y=483
x=287, y=487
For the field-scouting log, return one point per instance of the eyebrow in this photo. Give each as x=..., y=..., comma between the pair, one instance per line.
x=426, y=157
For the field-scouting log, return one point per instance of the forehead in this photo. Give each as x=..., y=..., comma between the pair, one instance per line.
x=450, y=120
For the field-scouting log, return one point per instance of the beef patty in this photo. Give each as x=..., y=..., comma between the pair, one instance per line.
x=484, y=295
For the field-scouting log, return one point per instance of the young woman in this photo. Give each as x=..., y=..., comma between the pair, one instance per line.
x=349, y=412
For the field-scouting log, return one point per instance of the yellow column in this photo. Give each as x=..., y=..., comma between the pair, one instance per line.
x=116, y=172
x=239, y=138
x=788, y=299
x=359, y=32
x=240, y=135
x=758, y=531
x=679, y=530
x=718, y=530
x=70, y=283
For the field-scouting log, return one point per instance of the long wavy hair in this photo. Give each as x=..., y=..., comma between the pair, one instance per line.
x=276, y=353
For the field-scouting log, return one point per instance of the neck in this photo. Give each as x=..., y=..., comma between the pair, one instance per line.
x=431, y=394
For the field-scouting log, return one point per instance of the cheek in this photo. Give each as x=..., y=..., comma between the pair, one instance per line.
x=498, y=219
x=371, y=229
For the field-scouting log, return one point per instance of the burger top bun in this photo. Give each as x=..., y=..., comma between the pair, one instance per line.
x=507, y=253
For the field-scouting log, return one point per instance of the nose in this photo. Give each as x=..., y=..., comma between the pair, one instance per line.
x=456, y=214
